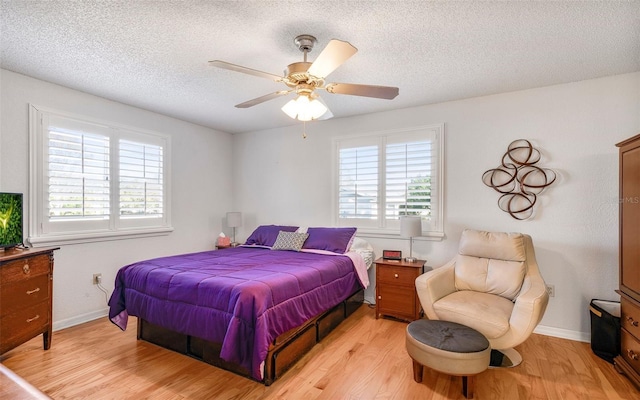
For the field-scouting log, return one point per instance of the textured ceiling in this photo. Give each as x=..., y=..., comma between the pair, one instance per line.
x=153, y=54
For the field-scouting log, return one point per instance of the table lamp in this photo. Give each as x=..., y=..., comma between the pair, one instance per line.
x=410, y=227
x=234, y=220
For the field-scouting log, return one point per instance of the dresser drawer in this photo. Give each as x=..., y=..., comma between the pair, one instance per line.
x=630, y=350
x=402, y=276
x=630, y=317
x=396, y=301
x=25, y=323
x=24, y=269
x=25, y=293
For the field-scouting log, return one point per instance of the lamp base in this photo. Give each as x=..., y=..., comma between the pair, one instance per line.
x=410, y=259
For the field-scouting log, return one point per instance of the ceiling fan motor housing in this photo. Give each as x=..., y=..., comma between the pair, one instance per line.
x=296, y=74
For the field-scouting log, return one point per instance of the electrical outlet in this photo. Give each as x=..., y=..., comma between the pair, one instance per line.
x=97, y=279
x=551, y=290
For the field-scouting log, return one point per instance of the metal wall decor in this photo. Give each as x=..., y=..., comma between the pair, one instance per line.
x=518, y=179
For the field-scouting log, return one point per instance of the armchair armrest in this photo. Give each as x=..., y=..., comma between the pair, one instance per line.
x=530, y=305
x=434, y=285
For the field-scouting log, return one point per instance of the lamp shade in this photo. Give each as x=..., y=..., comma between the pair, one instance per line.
x=304, y=108
x=234, y=219
x=410, y=226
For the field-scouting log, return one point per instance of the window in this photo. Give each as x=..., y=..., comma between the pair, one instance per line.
x=383, y=176
x=94, y=180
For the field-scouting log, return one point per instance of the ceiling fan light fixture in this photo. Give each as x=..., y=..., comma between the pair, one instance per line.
x=304, y=109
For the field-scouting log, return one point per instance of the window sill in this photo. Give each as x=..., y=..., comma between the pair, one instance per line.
x=78, y=238
x=426, y=236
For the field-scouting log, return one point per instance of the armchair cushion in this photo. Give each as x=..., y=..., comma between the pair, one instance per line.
x=491, y=262
x=481, y=311
x=499, y=277
x=497, y=245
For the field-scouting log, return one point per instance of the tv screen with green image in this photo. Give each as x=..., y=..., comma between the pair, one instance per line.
x=10, y=219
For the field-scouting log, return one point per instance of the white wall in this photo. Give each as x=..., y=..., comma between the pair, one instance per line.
x=282, y=178
x=279, y=177
x=201, y=189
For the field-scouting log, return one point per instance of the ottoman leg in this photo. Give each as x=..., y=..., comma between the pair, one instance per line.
x=417, y=371
x=468, y=385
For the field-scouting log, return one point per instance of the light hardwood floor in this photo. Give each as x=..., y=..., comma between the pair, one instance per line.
x=362, y=359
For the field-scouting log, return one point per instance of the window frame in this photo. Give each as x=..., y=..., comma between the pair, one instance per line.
x=43, y=232
x=383, y=227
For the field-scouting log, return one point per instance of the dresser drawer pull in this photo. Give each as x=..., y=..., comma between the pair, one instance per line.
x=632, y=355
x=34, y=318
x=379, y=297
x=631, y=321
x=36, y=290
x=395, y=275
x=26, y=269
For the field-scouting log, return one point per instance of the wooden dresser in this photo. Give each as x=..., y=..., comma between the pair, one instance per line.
x=396, y=288
x=26, y=292
x=628, y=362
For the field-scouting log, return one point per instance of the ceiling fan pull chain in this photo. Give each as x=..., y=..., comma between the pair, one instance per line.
x=304, y=129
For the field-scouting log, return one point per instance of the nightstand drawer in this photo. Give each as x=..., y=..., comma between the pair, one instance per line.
x=397, y=301
x=402, y=276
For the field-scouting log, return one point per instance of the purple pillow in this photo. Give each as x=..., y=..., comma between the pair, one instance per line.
x=266, y=235
x=337, y=240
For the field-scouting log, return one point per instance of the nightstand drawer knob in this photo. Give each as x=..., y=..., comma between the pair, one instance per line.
x=26, y=269
x=632, y=355
x=379, y=297
x=395, y=275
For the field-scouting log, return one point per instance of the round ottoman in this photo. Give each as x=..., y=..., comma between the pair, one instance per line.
x=447, y=347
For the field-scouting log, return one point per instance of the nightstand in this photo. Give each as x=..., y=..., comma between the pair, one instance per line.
x=396, y=288
x=227, y=246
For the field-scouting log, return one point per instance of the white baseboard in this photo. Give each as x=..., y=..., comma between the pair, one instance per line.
x=80, y=319
x=540, y=329
x=563, y=333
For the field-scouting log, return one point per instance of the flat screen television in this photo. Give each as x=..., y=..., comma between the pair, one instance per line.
x=10, y=219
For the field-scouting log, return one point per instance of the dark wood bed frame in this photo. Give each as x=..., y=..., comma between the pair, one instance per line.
x=285, y=350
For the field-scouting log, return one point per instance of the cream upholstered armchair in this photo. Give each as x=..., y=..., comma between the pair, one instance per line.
x=493, y=285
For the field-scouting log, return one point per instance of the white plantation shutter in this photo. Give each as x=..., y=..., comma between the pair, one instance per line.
x=78, y=179
x=398, y=172
x=92, y=181
x=141, y=179
x=358, y=182
x=408, y=179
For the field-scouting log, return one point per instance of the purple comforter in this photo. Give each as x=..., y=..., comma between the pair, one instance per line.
x=242, y=298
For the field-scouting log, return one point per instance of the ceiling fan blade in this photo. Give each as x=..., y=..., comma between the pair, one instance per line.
x=262, y=99
x=336, y=53
x=245, y=70
x=380, y=92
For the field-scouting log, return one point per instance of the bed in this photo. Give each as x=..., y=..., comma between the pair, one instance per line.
x=254, y=309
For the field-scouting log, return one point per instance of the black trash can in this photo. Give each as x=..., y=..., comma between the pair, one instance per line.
x=605, y=328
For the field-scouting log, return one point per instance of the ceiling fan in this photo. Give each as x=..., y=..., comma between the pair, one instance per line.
x=305, y=77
